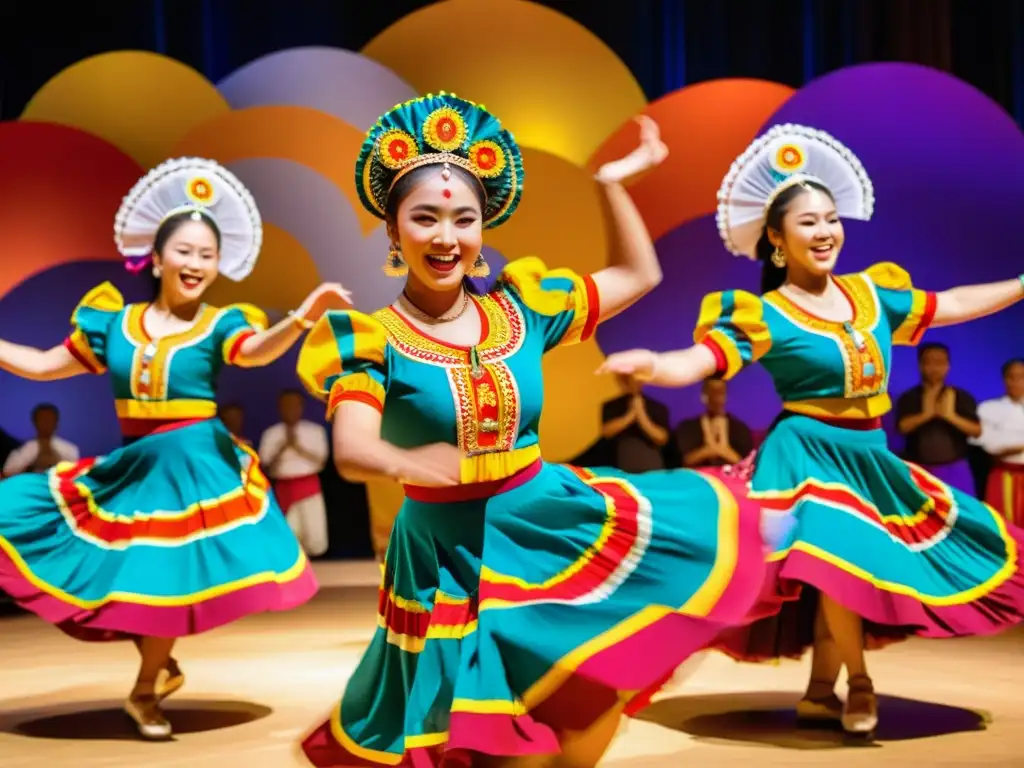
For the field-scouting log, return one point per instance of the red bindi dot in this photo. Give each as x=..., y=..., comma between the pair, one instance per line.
x=446, y=192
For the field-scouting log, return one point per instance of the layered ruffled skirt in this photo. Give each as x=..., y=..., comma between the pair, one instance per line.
x=909, y=553
x=512, y=613
x=174, y=534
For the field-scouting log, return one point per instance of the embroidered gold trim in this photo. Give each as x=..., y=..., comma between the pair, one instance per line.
x=865, y=318
x=157, y=384
x=505, y=333
x=468, y=405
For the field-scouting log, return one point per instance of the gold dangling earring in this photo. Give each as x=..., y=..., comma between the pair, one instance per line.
x=156, y=272
x=480, y=267
x=779, y=258
x=395, y=266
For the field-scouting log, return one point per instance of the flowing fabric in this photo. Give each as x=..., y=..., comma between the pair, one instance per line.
x=843, y=515
x=534, y=597
x=176, y=532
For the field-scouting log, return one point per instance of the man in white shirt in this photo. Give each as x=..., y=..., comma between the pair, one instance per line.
x=293, y=453
x=1002, y=437
x=46, y=449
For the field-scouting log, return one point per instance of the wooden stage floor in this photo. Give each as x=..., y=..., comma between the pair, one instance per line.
x=255, y=687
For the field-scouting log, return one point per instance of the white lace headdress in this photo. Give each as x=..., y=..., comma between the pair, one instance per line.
x=203, y=187
x=787, y=155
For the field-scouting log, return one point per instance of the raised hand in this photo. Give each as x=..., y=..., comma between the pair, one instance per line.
x=325, y=297
x=651, y=153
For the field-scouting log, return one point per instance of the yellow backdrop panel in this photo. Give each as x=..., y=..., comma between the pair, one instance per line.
x=561, y=221
x=552, y=82
x=384, y=498
x=140, y=102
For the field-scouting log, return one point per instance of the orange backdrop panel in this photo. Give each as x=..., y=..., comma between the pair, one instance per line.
x=706, y=127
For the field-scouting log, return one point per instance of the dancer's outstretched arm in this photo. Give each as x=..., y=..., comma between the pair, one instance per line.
x=39, y=364
x=969, y=302
x=634, y=270
x=361, y=454
x=265, y=347
x=678, y=368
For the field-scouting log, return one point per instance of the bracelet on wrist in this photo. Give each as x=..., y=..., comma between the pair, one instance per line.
x=300, y=320
x=1021, y=278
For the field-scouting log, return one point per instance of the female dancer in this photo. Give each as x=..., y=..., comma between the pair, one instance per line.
x=523, y=605
x=177, y=532
x=856, y=532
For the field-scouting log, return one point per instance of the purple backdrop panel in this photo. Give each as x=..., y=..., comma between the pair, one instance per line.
x=948, y=168
x=342, y=83
x=694, y=263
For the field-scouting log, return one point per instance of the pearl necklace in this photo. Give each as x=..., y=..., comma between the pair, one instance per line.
x=447, y=317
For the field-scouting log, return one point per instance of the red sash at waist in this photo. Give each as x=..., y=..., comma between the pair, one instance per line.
x=292, y=490
x=472, y=491
x=143, y=427
x=865, y=425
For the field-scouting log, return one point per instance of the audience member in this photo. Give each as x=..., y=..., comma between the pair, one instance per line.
x=937, y=420
x=294, y=452
x=1002, y=437
x=714, y=438
x=46, y=449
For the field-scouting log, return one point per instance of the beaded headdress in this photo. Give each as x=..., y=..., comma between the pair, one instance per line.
x=441, y=129
x=200, y=186
x=787, y=155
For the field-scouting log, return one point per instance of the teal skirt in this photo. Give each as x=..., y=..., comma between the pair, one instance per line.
x=171, y=535
x=846, y=517
x=511, y=613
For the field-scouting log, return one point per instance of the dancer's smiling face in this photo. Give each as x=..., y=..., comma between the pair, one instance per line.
x=804, y=223
x=437, y=223
x=187, y=252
